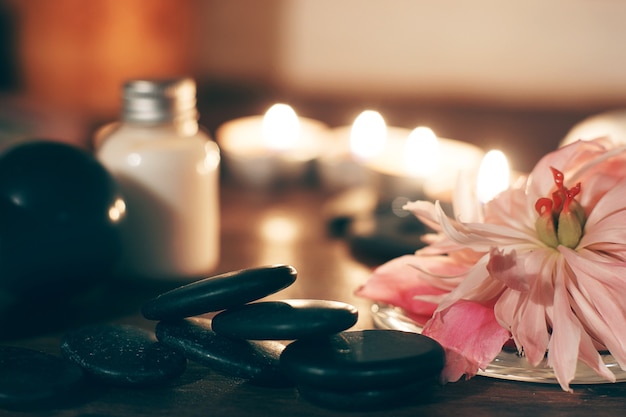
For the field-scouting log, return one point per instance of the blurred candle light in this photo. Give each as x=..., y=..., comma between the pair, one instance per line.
x=340, y=166
x=421, y=155
x=279, y=232
x=270, y=149
x=278, y=228
x=368, y=135
x=419, y=165
x=493, y=176
x=281, y=127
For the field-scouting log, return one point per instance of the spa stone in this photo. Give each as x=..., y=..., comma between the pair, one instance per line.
x=366, y=400
x=258, y=362
x=29, y=377
x=285, y=320
x=219, y=292
x=363, y=360
x=122, y=355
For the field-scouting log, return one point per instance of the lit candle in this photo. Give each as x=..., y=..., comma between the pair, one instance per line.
x=368, y=135
x=417, y=164
x=493, y=176
x=610, y=124
x=454, y=157
x=421, y=156
x=340, y=166
x=281, y=128
x=474, y=189
x=274, y=148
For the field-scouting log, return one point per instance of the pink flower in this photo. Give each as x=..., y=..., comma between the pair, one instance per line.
x=546, y=267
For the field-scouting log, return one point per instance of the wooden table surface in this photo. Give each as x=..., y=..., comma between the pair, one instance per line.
x=260, y=228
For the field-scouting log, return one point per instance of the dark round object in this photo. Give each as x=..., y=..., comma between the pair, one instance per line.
x=285, y=320
x=122, y=355
x=60, y=211
x=258, y=362
x=363, y=360
x=367, y=400
x=219, y=292
x=29, y=377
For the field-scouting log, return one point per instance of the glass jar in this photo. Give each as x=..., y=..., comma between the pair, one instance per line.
x=168, y=170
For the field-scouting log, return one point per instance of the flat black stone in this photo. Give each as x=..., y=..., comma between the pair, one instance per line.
x=363, y=360
x=285, y=320
x=219, y=292
x=29, y=377
x=367, y=400
x=122, y=355
x=258, y=362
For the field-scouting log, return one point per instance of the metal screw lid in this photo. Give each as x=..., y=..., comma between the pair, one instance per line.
x=157, y=101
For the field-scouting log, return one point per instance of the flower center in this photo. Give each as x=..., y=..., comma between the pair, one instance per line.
x=561, y=218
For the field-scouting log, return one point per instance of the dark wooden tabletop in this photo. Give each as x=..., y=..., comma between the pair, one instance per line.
x=327, y=269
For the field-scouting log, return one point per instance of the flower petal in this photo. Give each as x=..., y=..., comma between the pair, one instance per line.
x=470, y=336
x=425, y=211
x=589, y=355
x=504, y=267
x=611, y=229
x=525, y=314
x=506, y=309
x=613, y=201
x=400, y=284
x=566, y=159
x=513, y=200
x=482, y=236
x=566, y=332
x=477, y=286
x=599, y=301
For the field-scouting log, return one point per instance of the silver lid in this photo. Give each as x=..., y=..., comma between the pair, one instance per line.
x=156, y=101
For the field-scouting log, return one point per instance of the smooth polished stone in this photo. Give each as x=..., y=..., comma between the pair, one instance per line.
x=29, y=377
x=258, y=362
x=285, y=319
x=367, y=400
x=219, y=292
x=122, y=355
x=363, y=360
x=383, y=236
x=60, y=217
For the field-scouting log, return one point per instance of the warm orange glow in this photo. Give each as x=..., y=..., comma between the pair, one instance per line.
x=76, y=54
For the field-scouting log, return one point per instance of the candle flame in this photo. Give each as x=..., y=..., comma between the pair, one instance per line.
x=368, y=135
x=281, y=127
x=421, y=152
x=493, y=176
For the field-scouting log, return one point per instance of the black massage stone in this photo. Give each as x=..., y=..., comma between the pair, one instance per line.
x=122, y=355
x=285, y=320
x=366, y=360
x=29, y=377
x=219, y=292
x=366, y=400
x=258, y=362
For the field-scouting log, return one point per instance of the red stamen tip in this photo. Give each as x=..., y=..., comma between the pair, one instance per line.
x=569, y=196
x=558, y=176
x=543, y=205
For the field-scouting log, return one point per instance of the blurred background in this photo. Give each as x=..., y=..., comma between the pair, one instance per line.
x=478, y=70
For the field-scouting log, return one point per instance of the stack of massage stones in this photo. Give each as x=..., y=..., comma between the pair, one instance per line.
x=271, y=343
